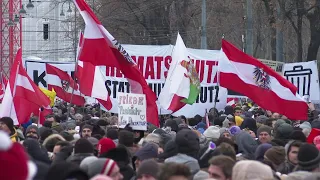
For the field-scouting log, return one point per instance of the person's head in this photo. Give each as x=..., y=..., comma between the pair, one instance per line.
x=78, y=117
x=276, y=155
x=112, y=133
x=106, y=167
x=58, y=146
x=237, y=111
x=105, y=145
x=83, y=146
x=148, y=170
x=292, y=153
x=32, y=131
x=126, y=138
x=50, y=118
x=148, y=151
x=253, y=169
x=221, y=167
x=308, y=158
x=275, y=115
x=188, y=142
x=72, y=111
x=6, y=125
x=86, y=131
x=173, y=171
x=264, y=134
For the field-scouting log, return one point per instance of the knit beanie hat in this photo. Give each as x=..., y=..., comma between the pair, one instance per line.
x=284, y=131
x=101, y=166
x=85, y=163
x=212, y=132
x=278, y=123
x=14, y=160
x=261, y=150
x=105, y=145
x=9, y=122
x=262, y=119
x=264, y=128
x=308, y=157
x=276, y=155
x=187, y=141
x=234, y=130
x=126, y=138
x=29, y=128
x=148, y=167
x=248, y=169
x=148, y=151
x=83, y=146
x=298, y=135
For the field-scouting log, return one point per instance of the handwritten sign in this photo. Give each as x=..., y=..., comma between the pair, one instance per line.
x=132, y=110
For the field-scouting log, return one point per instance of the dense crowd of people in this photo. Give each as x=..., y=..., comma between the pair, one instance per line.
x=242, y=143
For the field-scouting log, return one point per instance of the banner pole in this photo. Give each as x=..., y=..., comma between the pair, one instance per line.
x=14, y=87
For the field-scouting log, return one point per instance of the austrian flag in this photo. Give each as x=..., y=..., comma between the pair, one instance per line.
x=250, y=77
x=62, y=83
x=99, y=47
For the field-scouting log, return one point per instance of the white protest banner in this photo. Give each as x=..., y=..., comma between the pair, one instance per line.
x=132, y=110
x=154, y=62
x=304, y=75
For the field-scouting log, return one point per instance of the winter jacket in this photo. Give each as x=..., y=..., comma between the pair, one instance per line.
x=191, y=162
x=77, y=158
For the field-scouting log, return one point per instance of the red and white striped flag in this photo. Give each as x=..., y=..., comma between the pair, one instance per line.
x=92, y=83
x=2, y=86
x=22, y=96
x=232, y=101
x=99, y=47
x=250, y=77
x=62, y=83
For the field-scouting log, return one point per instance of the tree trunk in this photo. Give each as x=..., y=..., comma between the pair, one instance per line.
x=300, y=13
x=314, y=20
x=271, y=11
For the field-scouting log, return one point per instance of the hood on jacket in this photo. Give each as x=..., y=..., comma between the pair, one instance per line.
x=34, y=149
x=191, y=162
x=246, y=144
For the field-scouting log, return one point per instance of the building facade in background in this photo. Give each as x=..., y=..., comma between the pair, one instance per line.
x=48, y=30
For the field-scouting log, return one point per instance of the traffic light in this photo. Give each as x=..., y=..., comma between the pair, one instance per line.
x=45, y=31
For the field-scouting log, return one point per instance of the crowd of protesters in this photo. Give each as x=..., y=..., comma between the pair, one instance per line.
x=82, y=143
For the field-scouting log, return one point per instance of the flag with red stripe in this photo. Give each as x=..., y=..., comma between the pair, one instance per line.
x=62, y=83
x=99, y=47
x=250, y=77
x=22, y=96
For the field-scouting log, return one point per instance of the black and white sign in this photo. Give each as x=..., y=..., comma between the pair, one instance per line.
x=304, y=76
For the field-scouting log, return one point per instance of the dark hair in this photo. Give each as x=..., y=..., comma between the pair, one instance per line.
x=269, y=121
x=126, y=138
x=63, y=143
x=83, y=146
x=236, y=109
x=172, y=169
x=225, y=163
x=294, y=144
x=112, y=133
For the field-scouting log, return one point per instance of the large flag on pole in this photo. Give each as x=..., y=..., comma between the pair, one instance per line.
x=250, y=77
x=23, y=97
x=182, y=85
x=99, y=47
x=2, y=86
x=92, y=81
x=63, y=85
